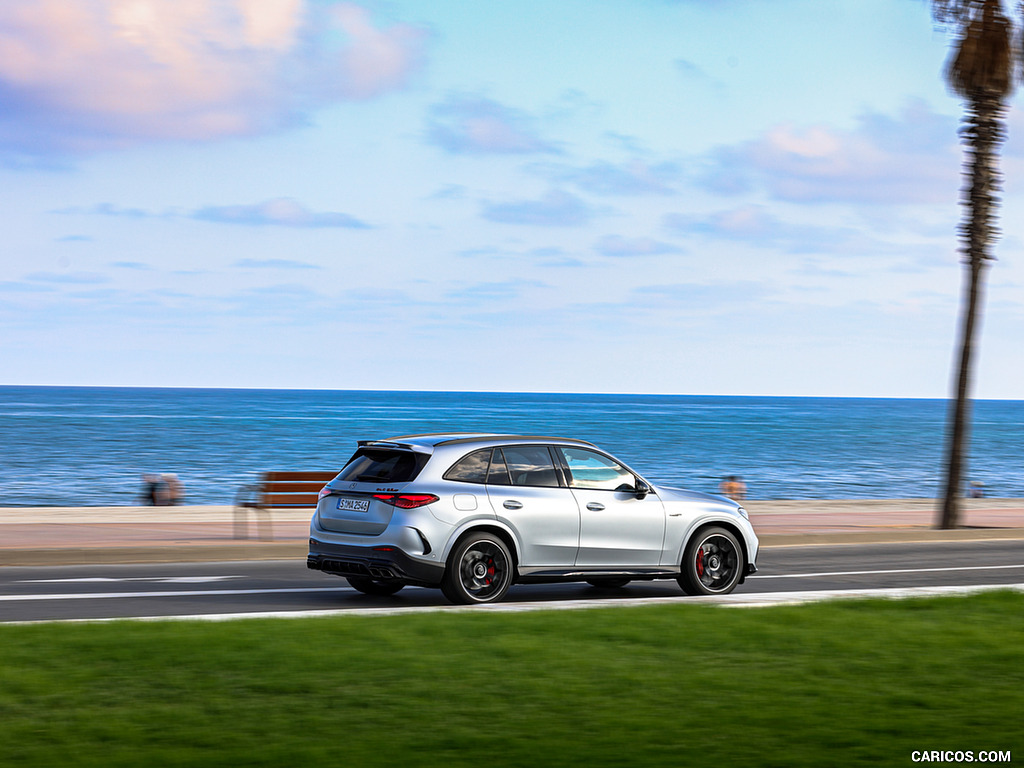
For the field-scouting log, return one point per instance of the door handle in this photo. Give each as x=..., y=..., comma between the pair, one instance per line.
x=595, y=506
x=512, y=504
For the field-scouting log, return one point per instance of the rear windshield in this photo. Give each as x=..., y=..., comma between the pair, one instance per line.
x=382, y=465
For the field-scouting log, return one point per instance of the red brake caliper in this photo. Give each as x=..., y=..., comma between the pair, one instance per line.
x=490, y=571
x=700, y=563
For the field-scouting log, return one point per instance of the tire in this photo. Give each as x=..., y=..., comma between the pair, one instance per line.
x=609, y=582
x=712, y=563
x=479, y=570
x=375, y=587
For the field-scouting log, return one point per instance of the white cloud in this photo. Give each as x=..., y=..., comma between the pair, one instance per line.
x=490, y=292
x=375, y=61
x=478, y=125
x=81, y=75
x=281, y=212
x=278, y=212
x=555, y=209
x=748, y=222
x=757, y=225
x=631, y=178
x=913, y=158
x=107, y=209
x=274, y=264
x=616, y=245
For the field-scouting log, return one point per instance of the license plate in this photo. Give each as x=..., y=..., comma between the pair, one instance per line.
x=354, y=505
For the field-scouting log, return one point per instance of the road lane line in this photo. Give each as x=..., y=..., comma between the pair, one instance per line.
x=183, y=593
x=112, y=580
x=297, y=590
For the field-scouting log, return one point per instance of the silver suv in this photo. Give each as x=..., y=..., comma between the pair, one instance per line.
x=475, y=513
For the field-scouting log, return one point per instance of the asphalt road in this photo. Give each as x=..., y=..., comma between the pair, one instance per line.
x=285, y=587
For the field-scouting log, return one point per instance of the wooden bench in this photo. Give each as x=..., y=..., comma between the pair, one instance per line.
x=276, y=490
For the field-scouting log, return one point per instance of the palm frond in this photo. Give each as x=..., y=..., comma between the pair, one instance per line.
x=983, y=57
x=959, y=13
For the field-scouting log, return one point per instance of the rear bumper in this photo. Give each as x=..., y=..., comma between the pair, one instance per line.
x=372, y=562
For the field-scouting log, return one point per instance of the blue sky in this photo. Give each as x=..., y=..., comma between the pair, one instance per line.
x=688, y=196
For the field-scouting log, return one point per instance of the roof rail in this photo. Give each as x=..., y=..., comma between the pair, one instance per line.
x=498, y=437
x=433, y=434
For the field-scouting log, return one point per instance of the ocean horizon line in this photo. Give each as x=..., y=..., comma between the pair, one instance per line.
x=538, y=392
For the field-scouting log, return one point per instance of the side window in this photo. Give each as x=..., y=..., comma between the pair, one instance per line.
x=530, y=465
x=596, y=471
x=471, y=468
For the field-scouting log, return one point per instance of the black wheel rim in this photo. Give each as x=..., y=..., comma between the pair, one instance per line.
x=483, y=570
x=716, y=563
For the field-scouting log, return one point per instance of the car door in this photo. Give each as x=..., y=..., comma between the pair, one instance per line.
x=526, y=493
x=617, y=527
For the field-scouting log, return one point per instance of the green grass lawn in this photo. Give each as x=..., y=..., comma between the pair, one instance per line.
x=850, y=683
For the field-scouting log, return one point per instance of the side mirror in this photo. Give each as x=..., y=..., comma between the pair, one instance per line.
x=642, y=489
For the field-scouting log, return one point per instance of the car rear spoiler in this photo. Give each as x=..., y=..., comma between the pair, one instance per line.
x=393, y=446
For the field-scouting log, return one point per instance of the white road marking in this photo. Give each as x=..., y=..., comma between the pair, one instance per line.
x=734, y=600
x=206, y=579
x=157, y=579
x=760, y=576
x=179, y=593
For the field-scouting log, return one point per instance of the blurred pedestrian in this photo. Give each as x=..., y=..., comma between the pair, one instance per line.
x=174, y=490
x=153, y=490
x=733, y=487
x=977, y=490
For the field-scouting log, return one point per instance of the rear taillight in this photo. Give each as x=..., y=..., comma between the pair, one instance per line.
x=325, y=491
x=406, y=500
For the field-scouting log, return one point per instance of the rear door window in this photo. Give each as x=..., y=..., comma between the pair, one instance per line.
x=382, y=465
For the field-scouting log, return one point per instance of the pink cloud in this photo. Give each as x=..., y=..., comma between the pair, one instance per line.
x=376, y=60
x=77, y=75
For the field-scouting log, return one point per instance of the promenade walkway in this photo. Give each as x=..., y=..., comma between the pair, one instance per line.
x=77, y=535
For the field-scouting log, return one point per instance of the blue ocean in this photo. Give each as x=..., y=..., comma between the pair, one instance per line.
x=89, y=446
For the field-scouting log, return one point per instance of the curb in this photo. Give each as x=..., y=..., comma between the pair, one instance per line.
x=296, y=550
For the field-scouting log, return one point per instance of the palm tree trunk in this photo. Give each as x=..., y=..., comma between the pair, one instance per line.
x=983, y=131
x=959, y=432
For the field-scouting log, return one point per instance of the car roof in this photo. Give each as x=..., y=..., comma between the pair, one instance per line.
x=436, y=439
